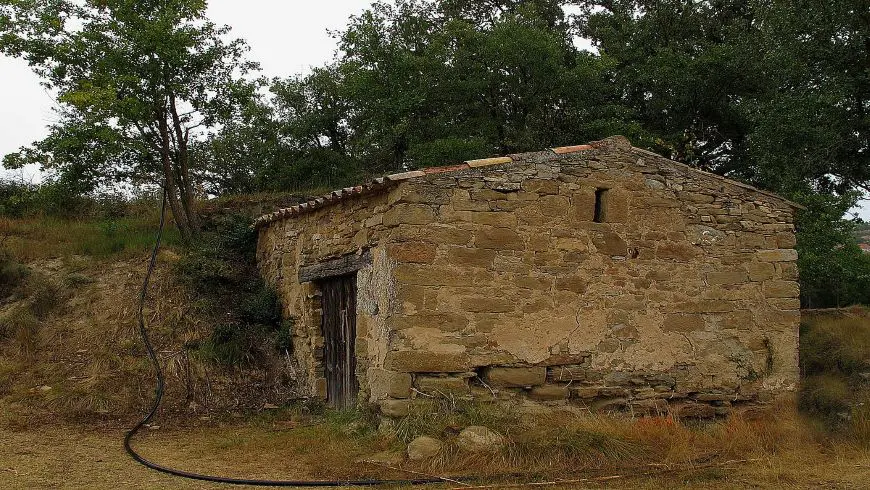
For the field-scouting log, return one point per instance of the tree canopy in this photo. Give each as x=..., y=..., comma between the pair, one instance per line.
x=771, y=92
x=136, y=81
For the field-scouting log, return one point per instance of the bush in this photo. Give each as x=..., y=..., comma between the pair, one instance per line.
x=12, y=274
x=261, y=307
x=203, y=269
x=59, y=198
x=228, y=344
x=835, y=362
x=221, y=268
x=17, y=198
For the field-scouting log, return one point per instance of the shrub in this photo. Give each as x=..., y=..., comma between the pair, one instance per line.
x=223, y=256
x=17, y=197
x=228, y=344
x=835, y=345
x=12, y=274
x=261, y=307
x=221, y=268
x=203, y=269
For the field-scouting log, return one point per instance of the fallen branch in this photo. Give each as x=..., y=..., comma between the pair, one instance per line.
x=418, y=473
x=545, y=483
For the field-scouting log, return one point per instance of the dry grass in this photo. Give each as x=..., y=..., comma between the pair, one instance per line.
x=33, y=239
x=835, y=365
x=564, y=443
x=780, y=451
x=83, y=361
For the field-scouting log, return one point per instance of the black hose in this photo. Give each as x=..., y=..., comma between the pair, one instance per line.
x=158, y=397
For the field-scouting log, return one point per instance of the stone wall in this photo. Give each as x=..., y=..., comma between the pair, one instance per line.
x=495, y=282
x=348, y=227
x=687, y=291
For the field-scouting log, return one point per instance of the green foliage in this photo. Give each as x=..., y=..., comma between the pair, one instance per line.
x=54, y=197
x=834, y=271
x=228, y=345
x=261, y=307
x=137, y=83
x=203, y=268
x=16, y=197
x=220, y=268
x=418, y=84
x=762, y=91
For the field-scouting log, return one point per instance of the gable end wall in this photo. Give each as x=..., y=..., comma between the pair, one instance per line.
x=687, y=293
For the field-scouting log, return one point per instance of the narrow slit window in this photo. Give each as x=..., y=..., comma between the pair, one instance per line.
x=600, y=215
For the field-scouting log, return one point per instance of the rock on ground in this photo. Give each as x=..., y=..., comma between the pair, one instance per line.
x=479, y=439
x=423, y=447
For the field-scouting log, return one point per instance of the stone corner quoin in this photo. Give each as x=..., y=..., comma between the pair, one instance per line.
x=595, y=275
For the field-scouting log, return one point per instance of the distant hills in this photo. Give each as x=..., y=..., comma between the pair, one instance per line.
x=862, y=231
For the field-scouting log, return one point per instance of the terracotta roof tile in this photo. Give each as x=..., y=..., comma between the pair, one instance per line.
x=484, y=162
x=571, y=149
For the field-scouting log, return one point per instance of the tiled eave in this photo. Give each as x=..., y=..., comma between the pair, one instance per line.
x=383, y=183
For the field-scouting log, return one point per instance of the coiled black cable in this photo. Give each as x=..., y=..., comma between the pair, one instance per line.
x=158, y=397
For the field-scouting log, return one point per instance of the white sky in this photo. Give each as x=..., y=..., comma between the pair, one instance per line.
x=286, y=36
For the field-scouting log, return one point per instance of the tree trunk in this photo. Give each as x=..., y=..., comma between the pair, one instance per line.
x=186, y=188
x=178, y=215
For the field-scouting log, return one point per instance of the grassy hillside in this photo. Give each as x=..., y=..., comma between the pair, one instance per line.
x=70, y=360
x=69, y=349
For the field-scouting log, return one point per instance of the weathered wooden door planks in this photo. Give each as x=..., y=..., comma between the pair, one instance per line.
x=339, y=335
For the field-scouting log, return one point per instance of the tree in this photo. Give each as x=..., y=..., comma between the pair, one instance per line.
x=137, y=81
x=834, y=271
x=776, y=93
x=432, y=83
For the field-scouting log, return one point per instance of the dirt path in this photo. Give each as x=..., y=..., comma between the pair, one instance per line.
x=56, y=457
x=72, y=458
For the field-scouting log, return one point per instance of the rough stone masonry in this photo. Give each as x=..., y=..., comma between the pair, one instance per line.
x=600, y=275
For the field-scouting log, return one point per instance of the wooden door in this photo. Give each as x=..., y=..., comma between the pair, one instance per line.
x=338, y=302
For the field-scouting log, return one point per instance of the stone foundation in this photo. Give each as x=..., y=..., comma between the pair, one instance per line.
x=637, y=393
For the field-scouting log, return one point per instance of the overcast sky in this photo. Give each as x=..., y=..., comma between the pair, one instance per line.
x=285, y=36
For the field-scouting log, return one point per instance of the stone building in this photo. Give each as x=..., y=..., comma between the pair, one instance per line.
x=601, y=275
